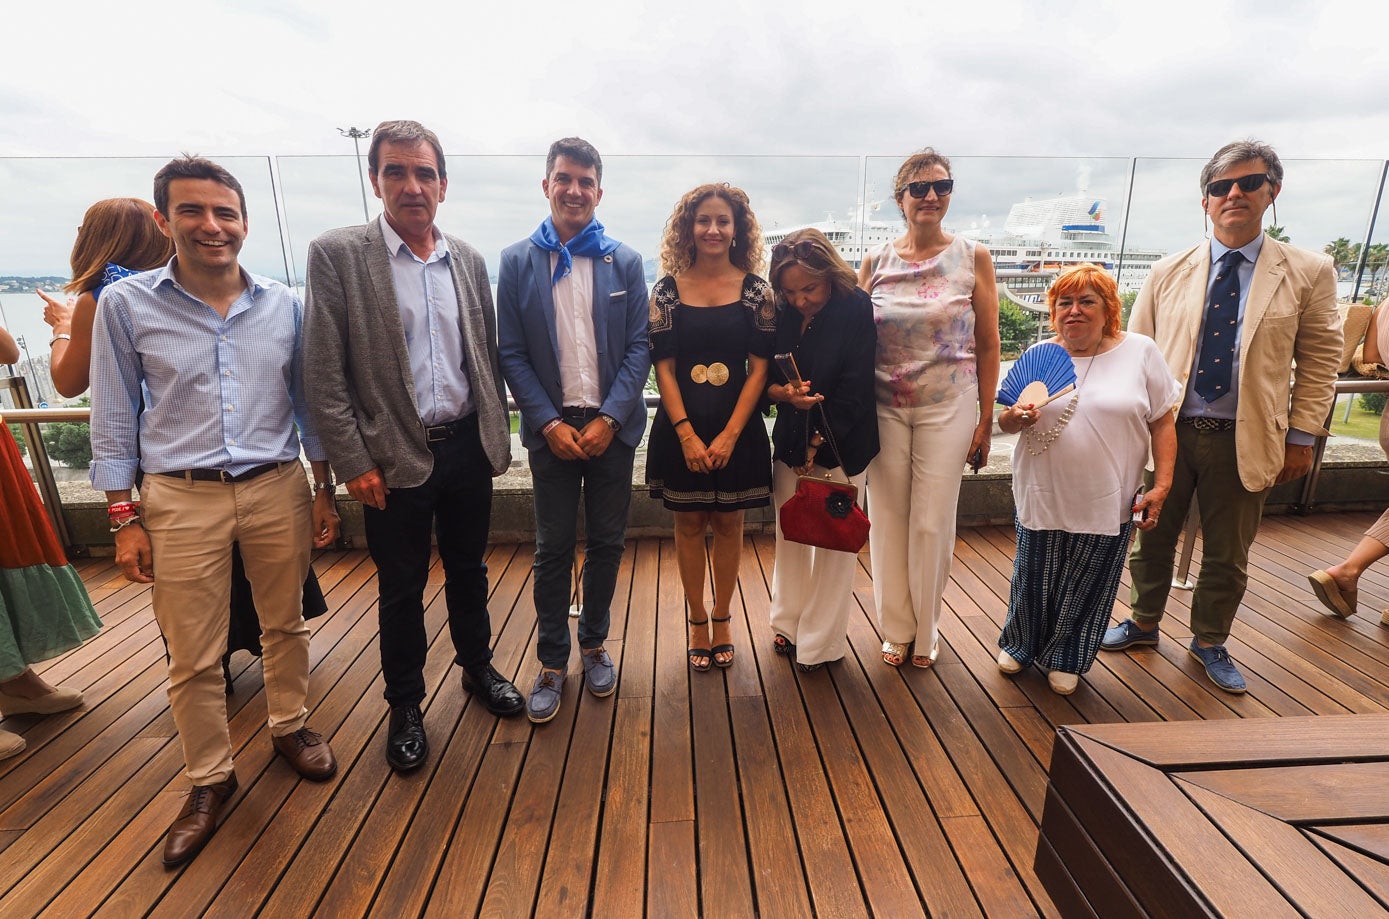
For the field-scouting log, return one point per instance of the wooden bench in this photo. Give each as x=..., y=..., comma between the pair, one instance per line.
x=1262, y=817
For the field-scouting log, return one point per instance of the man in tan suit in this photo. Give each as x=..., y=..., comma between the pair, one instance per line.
x=1249, y=325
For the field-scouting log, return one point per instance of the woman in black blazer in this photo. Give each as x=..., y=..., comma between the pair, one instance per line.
x=826, y=325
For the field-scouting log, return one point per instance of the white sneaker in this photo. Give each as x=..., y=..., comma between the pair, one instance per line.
x=1062, y=683
x=1008, y=664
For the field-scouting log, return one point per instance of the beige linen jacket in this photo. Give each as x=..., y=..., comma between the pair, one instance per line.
x=1290, y=344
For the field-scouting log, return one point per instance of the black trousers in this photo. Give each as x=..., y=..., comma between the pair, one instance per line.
x=456, y=502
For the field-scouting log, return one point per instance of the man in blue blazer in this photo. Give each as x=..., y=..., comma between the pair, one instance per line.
x=571, y=325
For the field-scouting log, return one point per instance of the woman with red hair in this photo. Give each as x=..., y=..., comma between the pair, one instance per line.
x=1076, y=471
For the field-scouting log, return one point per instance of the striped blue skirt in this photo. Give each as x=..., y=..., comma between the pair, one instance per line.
x=1062, y=596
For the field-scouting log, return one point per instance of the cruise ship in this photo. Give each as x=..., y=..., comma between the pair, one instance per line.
x=1043, y=237
x=1038, y=239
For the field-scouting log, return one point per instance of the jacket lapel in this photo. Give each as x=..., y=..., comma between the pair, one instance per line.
x=379, y=267
x=540, y=271
x=1268, y=274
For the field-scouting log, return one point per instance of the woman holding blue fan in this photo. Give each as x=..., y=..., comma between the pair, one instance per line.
x=1076, y=472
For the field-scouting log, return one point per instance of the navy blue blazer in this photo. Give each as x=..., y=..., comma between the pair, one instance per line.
x=529, y=351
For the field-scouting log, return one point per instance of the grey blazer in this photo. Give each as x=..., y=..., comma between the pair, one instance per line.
x=357, y=368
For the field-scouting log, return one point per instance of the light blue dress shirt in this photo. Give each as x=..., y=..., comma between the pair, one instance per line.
x=1227, y=406
x=428, y=304
x=218, y=393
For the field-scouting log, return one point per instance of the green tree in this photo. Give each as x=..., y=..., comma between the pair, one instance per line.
x=70, y=443
x=19, y=439
x=1126, y=300
x=1017, y=328
x=1276, y=232
x=1342, y=253
x=1373, y=402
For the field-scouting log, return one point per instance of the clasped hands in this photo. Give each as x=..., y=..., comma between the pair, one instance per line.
x=569, y=443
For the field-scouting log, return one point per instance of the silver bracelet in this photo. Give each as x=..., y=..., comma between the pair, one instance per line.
x=121, y=524
x=61, y=336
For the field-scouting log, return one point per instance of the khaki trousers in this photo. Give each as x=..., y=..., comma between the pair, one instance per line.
x=192, y=526
x=1230, y=516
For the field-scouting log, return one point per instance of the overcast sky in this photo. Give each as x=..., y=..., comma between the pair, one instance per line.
x=1165, y=78
x=678, y=93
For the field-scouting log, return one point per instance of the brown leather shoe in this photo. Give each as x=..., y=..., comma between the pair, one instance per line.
x=197, y=821
x=308, y=753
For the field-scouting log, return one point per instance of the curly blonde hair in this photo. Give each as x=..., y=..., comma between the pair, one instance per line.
x=678, y=245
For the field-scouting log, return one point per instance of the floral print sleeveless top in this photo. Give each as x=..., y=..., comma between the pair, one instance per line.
x=925, y=321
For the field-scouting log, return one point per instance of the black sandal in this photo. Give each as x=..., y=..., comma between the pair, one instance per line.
x=719, y=649
x=701, y=659
x=808, y=668
x=782, y=645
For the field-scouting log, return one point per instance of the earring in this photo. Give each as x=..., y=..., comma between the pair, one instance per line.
x=734, y=243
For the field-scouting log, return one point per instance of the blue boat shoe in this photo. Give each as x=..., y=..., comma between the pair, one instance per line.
x=599, y=674
x=1127, y=634
x=545, y=695
x=1219, y=667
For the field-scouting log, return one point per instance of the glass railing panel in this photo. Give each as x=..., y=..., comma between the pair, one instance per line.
x=493, y=201
x=45, y=200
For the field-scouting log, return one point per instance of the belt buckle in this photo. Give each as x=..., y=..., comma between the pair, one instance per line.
x=225, y=477
x=441, y=430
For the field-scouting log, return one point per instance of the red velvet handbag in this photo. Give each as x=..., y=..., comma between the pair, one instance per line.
x=824, y=513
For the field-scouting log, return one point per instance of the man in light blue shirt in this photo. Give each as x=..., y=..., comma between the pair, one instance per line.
x=197, y=382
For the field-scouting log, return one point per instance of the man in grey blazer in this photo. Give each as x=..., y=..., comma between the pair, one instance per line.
x=572, y=315
x=406, y=390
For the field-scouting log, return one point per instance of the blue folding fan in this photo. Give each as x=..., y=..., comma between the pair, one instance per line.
x=1044, y=372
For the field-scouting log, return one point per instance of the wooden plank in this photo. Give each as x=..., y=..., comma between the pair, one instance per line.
x=1077, y=874
x=1371, y=873
x=673, y=891
x=1327, y=792
x=1202, y=853
x=1370, y=838
x=1270, y=741
x=620, y=877
x=1299, y=870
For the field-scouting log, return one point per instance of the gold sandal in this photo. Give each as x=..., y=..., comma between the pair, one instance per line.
x=894, y=653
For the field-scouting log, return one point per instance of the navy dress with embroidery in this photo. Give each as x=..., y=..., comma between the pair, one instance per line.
x=701, y=337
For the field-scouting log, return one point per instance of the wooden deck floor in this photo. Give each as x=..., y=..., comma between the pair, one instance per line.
x=857, y=790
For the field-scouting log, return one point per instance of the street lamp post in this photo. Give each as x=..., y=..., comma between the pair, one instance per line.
x=33, y=372
x=357, y=136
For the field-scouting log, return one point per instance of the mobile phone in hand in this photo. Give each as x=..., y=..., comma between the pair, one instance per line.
x=786, y=363
x=1139, y=516
x=976, y=460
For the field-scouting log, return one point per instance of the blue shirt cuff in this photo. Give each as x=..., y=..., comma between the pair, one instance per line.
x=1300, y=438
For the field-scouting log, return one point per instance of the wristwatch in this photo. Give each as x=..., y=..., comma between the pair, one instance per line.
x=611, y=422
x=329, y=486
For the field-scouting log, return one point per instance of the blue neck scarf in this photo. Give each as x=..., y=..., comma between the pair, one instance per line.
x=589, y=243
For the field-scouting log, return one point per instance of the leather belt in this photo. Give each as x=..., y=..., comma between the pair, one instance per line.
x=1202, y=423
x=438, y=433
x=221, y=475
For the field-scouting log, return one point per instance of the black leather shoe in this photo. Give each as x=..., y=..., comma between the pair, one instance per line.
x=407, y=747
x=497, y=693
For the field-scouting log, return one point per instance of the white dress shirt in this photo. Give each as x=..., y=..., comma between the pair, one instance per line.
x=428, y=304
x=578, y=348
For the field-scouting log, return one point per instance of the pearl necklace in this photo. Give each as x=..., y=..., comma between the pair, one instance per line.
x=1048, y=437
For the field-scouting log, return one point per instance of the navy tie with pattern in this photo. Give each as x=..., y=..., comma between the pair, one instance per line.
x=1219, y=331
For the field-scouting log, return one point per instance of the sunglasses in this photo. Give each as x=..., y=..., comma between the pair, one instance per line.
x=941, y=187
x=800, y=251
x=1247, y=184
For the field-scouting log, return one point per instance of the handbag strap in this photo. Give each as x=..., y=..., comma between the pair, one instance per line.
x=829, y=435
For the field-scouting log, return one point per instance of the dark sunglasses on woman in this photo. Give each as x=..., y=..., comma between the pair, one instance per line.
x=800, y=251
x=942, y=187
x=1247, y=184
